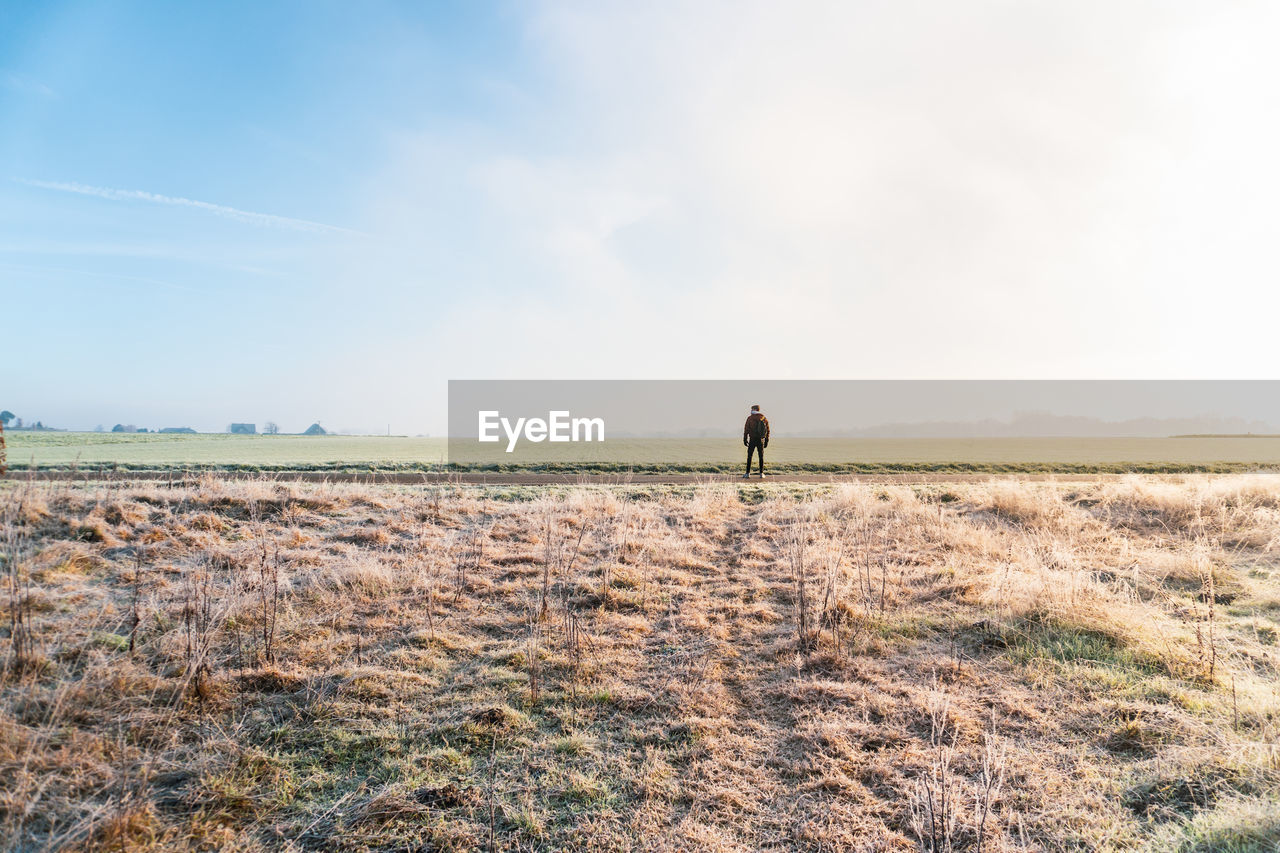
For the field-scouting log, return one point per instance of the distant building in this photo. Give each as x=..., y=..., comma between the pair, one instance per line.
x=188, y=430
x=315, y=429
x=243, y=429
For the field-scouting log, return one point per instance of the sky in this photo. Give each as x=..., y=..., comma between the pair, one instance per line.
x=306, y=211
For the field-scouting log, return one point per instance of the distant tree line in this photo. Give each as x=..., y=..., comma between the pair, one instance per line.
x=8, y=420
x=11, y=421
x=271, y=428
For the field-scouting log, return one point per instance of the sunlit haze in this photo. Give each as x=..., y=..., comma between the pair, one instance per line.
x=324, y=211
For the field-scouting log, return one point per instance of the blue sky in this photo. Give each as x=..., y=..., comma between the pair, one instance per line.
x=145, y=311
x=301, y=211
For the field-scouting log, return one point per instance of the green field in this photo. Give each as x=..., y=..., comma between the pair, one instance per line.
x=60, y=450
x=218, y=450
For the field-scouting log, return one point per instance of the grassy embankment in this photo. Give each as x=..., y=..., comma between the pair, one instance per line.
x=97, y=452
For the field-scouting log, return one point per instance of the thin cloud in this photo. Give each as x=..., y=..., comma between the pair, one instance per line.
x=97, y=274
x=25, y=84
x=265, y=220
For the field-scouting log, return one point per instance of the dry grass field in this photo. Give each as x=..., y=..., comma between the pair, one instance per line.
x=998, y=666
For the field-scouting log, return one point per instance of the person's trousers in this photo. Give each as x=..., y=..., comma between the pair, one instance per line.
x=755, y=447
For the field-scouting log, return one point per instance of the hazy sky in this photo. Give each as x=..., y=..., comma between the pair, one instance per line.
x=302, y=211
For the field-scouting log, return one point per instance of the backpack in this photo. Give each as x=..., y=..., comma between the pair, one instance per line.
x=758, y=428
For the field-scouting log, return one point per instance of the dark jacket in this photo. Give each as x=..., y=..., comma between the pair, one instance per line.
x=756, y=429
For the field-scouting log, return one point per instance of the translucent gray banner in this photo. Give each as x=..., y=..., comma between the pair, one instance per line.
x=696, y=425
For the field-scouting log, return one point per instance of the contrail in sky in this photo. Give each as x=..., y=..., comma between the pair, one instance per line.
x=267, y=220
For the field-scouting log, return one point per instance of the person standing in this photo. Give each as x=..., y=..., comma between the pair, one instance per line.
x=755, y=436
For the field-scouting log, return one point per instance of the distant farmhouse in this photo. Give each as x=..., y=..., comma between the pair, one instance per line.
x=243, y=429
x=315, y=429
